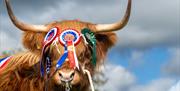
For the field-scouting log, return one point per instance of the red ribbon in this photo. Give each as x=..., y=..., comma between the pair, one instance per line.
x=71, y=54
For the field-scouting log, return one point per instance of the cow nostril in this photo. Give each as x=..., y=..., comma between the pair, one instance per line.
x=60, y=75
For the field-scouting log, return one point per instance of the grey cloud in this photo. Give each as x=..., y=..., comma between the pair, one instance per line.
x=120, y=79
x=136, y=37
x=9, y=36
x=42, y=12
x=8, y=43
x=67, y=8
x=155, y=21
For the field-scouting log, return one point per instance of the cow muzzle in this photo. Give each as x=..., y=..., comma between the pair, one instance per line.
x=66, y=77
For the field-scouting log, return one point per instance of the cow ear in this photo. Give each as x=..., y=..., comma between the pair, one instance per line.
x=33, y=40
x=104, y=42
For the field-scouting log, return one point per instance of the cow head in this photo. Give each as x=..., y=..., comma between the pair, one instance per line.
x=35, y=36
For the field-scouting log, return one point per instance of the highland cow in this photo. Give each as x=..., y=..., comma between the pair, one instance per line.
x=59, y=55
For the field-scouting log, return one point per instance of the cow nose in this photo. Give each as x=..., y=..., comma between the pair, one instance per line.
x=66, y=77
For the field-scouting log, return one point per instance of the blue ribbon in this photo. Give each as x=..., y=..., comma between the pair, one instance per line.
x=63, y=58
x=42, y=69
x=48, y=65
x=3, y=59
x=41, y=63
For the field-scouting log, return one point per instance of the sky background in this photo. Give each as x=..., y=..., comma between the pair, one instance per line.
x=147, y=54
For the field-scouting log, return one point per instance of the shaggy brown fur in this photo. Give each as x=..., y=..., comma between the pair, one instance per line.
x=22, y=73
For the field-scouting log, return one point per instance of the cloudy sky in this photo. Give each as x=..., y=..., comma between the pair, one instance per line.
x=147, y=54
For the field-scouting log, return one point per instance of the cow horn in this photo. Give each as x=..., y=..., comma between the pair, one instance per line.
x=21, y=25
x=118, y=25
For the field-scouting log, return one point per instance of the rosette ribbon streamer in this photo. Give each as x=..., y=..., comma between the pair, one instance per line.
x=90, y=36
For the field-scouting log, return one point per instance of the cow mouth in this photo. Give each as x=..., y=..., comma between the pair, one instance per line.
x=67, y=86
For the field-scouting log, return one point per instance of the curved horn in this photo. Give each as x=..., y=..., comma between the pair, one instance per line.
x=118, y=25
x=21, y=25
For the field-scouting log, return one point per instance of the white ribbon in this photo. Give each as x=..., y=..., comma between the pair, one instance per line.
x=55, y=43
x=89, y=78
x=75, y=57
